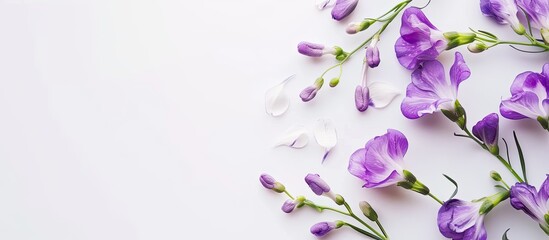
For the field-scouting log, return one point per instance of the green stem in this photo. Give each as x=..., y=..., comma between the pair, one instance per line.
x=533, y=42
x=361, y=221
x=382, y=229
x=435, y=198
x=360, y=230
x=289, y=195
x=499, y=157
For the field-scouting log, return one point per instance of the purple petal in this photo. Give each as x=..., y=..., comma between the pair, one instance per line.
x=415, y=25
x=322, y=228
x=525, y=197
x=317, y=185
x=459, y=219
x=267, y=181
x=532, y=82
x=418, y=102
x=288, y=206
x=310, y=49
x=489, y=10
x=372, y=56
x=487, y=129
x=308, y=93
x=343, y=8
x=362, y=98
x=431, y=78
x=544, y=190
x=458, y=72
x=411, y=54
x=521, y=105
x=537, y=10
x=502, y=11
x=397, y=145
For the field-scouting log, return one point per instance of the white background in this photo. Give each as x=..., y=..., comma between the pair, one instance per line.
x=145, y=120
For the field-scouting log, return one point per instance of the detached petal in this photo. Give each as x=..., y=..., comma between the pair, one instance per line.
x=544, y=190
x=276, y=101
x=295, y=139
x=382, y=94
x=343, y=8
x=458, y=72
x=325, y=135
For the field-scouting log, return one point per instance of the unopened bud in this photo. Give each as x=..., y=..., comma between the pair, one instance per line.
x=519, y=29
x=334, y=82
x=495, y=175
x=477, y=47
x=339, y=224
x=339, y=200
x=368, y=211
x=457, y=39
x=300, y=201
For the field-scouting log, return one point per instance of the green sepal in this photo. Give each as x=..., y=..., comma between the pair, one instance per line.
x=368, y=211
x=300, y=201
x=319, y=82
x=546, y=216
x=339, y=224
x=457, y=39
x=487, y=205
x=545, y=228
x=405, y=185
x=279, y=187
x=409, y=176
x=544, y=122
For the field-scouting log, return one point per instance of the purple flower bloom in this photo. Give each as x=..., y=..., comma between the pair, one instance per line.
x=420, y=40
x=530, y=97
x=311, y=49
x=316, y=184
x=372, y=53
x=487, y=130
x=538, y=13
x=525, y=197
x=343, y=8
x=430, y=91
x=362, y=98
x=380, y=162
x=288, y=206
x=461, y=220
x=322, y=228
x=267, y=181
x=503, y=11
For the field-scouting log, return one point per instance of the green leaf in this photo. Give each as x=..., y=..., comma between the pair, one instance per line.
x=521, y=157
x=504, y=237
x=455, y=184
x=507, y=150
x=490, y=35
x=501, y=187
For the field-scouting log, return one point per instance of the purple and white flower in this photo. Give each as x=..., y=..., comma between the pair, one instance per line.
x=532, y=202
x=538, y=14
x=429, y=90
x=461, y=220
x=419, y=39
x=270, y=183
x=487, y=130
x=372, y=53
x=317, y=185
x=376, y=94
x=530, y=97
x=341, y=9
x=380, y=162
x=504, y=12
x=314, y=49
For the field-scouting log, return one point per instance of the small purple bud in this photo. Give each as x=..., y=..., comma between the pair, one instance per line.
x=308, y=93
x=353, y=28
x=322, y=228
x=288, y=206
x=487, y=130
x=343, y=8
x=317, y=184
x=310, y=49
x=362, y=98
x=372, y=55
x=267, y=181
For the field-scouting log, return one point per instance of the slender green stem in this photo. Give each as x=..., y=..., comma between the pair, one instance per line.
x=289, y=195
x=360, y=230
x=382, y=229
x=313, y=205
x=499, y=157
x=436, y=199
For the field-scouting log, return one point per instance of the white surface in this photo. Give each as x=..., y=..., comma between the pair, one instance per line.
x=145, y=120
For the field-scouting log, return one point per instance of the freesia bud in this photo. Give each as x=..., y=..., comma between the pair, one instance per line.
x=356, y=27
x=492, y=201
x=317, y=185
x=343, y=8
x=457, y=39
x=495, y=175
x=322, y=228
x=288, y=206
x=368, y=211
x=487, y=130
x=372, y=53
x=477, y=47
x=308, y=93
x=339, y=200
x=334, y=82
x=362, y=98
x=270, y=183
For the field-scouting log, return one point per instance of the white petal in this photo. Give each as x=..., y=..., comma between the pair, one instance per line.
x=325, y=135
x=321, y=4
x=294, y=139
x=276, y=101
x=382, y=94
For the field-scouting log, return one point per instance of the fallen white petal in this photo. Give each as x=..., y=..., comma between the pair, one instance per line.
x=276, y=101
x=325, y=135
x=382, y=94
x=321, y=4
x=294, y=139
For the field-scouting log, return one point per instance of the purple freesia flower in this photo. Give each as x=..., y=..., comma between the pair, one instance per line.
x=487, y=130
x=538, y=13
x=267, y=181
x=380, y=162
x=504, y=12
x=530, y=97
x=429, y=90
x=343, y=8
x=317, y=185
x=322, y=228
x=461, y=220
x=375, y=94
x=419, y=39
x=534, y=203
x=312, y=49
